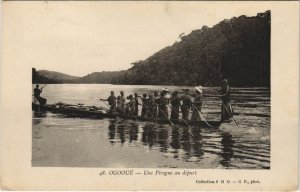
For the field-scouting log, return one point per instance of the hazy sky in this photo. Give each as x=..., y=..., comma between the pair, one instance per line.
x=78, y=38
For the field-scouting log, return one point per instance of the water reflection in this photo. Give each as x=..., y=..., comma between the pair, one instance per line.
x=163, y=135
x=182, y=143
x=122, y=132
x=133, y=132
x=227, y=151
x=112, y=127
x=175, y=137
x=149, y=136
x=37, y=117
x=197, y=143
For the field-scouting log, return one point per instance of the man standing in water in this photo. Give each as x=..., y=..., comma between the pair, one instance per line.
x=145, y=105
x=151, y=106
x=37, y=93
x=130, y=106
x=155, y=99
x=197, y=105
x=136, y=103
x=226, y=108
x=162, y=103
x=186, y=104
x=111, y=101
x=175, y=104
x=121, y=103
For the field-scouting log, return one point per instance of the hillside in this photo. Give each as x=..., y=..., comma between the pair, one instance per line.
x=58, y=76
x=104, y=77
x=53, y=77
x=237, y=49
x=40, y=79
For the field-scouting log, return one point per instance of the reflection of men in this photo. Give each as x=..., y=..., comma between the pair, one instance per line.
x=37, y=93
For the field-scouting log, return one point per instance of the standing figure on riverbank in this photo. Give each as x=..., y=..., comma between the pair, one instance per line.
x=162, y=103
x=175, y=104
x=37, y=95
x=197, y=104
x=130, y=106
x=155, y=108
x=151, y=107
x=121, y=103
x=226, y=108
x=111, y=101
x=136, y=102
x=186, y=104
x=145, y=105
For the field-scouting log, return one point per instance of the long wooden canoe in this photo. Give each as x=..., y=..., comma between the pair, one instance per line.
x=99, y=114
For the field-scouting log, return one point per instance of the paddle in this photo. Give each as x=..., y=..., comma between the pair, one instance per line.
x=194, y=107
x=153, y=117
x=105, y=103
x=48, y=83
x=180, y=117
x=218, y=93
x=164, y=114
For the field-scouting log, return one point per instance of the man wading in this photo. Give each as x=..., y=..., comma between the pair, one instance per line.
x=130, y=106
x=226, y=108
x=175, y=104
x=197, y=105
x=145, y=106
x=111, y=101
x=121, y=103
x=136, y=103
x=162, y=103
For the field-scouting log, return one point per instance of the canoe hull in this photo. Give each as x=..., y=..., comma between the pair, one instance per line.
x=100, y=115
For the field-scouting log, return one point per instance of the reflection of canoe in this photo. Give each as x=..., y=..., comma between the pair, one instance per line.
x=81, y=112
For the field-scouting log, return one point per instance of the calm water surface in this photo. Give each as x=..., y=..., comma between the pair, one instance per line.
x=76, y=142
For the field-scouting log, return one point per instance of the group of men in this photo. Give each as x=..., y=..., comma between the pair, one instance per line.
x=157, y=104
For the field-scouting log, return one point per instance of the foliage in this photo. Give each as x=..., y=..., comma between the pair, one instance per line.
x=237, y=49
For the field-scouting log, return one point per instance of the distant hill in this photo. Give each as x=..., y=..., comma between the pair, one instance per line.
x=53, y=77
x=104, y=77
x=61, y=77
x=237, y=49
x=39, y=79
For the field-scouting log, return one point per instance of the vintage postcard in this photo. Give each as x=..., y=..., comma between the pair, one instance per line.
x=149, y=95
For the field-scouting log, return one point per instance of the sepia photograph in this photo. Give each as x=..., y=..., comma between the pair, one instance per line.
x=149, y=95
x=169, y=93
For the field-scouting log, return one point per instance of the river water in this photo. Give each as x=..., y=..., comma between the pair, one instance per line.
x=77, y=142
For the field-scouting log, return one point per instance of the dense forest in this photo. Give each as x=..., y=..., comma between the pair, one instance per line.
x=237, y=49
